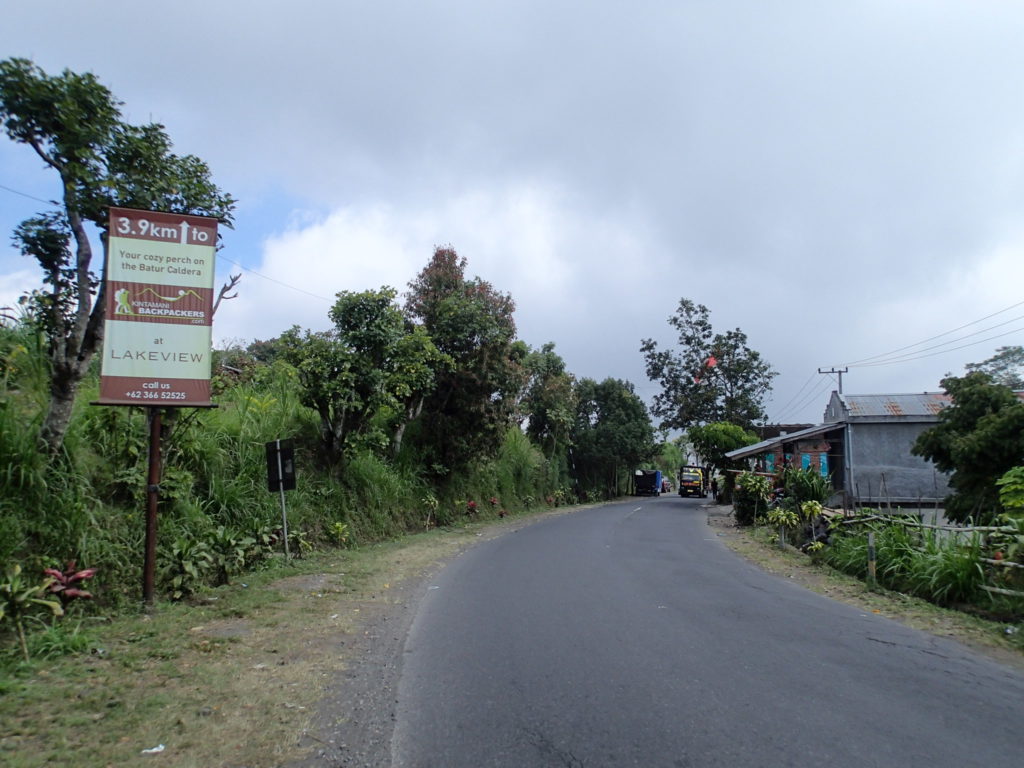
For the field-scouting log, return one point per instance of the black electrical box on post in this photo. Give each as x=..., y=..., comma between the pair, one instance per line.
x=281, y=465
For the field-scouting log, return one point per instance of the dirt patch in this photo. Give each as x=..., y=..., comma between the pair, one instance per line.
x=224, y=629
x=759, y=548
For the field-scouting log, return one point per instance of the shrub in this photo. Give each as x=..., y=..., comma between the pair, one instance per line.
x=190, y=561
x=806, y=485
x=1011, y=491
x=20, y=598
x=67, y=584
x=750, y=497
x=940, y=568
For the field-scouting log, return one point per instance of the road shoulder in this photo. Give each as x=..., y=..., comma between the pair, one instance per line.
x=978, y=634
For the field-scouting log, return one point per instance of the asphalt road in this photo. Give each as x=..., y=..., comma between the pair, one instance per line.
x=628, y=635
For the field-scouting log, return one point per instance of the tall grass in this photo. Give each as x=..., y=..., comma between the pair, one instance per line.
x=942, y=569
x=379, y=500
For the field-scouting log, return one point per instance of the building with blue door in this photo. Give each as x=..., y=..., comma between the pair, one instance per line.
x=864, y=443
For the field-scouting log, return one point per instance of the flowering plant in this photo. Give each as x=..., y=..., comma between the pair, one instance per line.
x=494, y=501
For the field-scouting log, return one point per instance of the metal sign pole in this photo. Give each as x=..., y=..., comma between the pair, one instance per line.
x=284, y=510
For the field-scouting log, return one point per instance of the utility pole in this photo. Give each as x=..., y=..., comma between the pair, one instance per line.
x=840, y=373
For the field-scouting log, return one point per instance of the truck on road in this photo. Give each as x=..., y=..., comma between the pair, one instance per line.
x=647, y=482
x=692, y=481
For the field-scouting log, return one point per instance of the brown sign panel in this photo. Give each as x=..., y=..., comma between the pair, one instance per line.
x=159, y=309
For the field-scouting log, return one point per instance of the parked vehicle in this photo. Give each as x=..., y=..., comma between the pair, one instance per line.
x=692, y=481
x=647, y=482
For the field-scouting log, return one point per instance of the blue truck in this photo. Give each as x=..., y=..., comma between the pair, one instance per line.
x=647, y=482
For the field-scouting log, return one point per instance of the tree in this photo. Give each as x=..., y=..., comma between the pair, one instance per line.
x=671, y=455
x=712, y=441
x=713, y=377
x=467, y=414
x=372, y=363
x=74, y=124
x=549, y=403
x=1006, y=367
x=613, y=433
x=978, y=439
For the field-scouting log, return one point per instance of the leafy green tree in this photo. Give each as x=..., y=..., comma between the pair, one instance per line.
x=466, y=416
x=74, y=124
x=549, y=403
x=978, y=439
x=712, y=441
x=671, y=456
x=266, y=350
x=372, y=362
x=613, y=433
x=1006, y=367
x=712, y=377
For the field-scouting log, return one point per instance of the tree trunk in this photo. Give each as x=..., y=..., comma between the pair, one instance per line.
x=411, y=412
x=75, y=343
x=58, y=412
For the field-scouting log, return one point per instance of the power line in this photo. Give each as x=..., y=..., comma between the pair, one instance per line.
x=822, y=386
x=30, y=197
x=943, y=351
x=794, y=397
x=938, y=336
x=254, y=272
x=943, y=344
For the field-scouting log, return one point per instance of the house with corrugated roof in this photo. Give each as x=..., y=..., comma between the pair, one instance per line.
x=864, y=443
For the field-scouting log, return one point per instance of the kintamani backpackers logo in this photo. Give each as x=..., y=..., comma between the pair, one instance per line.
x=186, y=305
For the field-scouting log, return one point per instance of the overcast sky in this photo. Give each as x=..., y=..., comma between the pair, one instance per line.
x=838, y=179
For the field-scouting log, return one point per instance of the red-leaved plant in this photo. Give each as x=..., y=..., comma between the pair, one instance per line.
x=67, y=583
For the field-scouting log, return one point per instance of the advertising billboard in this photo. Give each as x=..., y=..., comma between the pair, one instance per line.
x=159, y=309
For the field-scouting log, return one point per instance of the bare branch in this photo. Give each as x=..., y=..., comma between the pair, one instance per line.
x=224, y=291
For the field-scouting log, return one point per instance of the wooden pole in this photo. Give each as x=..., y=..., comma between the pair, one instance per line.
x=872, y=573
x=152, y=498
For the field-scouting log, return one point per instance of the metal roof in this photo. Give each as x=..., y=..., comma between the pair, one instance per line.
x=764, y=445
x=927, y=404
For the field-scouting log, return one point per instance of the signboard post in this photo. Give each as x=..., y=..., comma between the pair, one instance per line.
x=157, y=332
x=281, y=478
